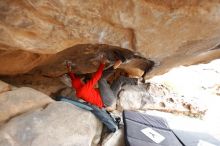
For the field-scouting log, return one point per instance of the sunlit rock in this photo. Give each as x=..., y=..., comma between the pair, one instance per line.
x=21, y=100
x=58, y=124
x=151, y=96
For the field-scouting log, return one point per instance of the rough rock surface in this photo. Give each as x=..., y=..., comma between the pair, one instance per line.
x=59, y=124
x=169, y=32
x=20, y=100
x=4, y=87
x=48, y=86
x=151, y=96
x=85, y=59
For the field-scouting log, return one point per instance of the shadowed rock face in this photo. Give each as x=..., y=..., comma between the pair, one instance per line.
x=171, y=33
x=85, y=58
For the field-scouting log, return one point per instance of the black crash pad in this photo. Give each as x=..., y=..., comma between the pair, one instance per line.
x=157, y=131
x=136, y=122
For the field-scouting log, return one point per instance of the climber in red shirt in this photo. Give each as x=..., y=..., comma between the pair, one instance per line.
x=102, y=99
x=87, y=91
x=105, y=95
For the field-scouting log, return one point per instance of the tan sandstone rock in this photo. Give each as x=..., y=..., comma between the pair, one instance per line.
x=18, y=101
x=154, y=96
x=171, y=33
x=58, y=124
x=4, y=87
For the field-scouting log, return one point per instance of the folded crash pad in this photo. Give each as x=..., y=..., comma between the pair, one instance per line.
x=146, y=130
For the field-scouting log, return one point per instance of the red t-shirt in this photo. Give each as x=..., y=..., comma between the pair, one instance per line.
x=87, y=91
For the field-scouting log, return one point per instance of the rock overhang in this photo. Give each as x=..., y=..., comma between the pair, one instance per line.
x=171, y=33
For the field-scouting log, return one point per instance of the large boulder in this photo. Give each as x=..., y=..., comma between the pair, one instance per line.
x=59, y=124
x=171, y=33
x=155, y=96
x=20, y=100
